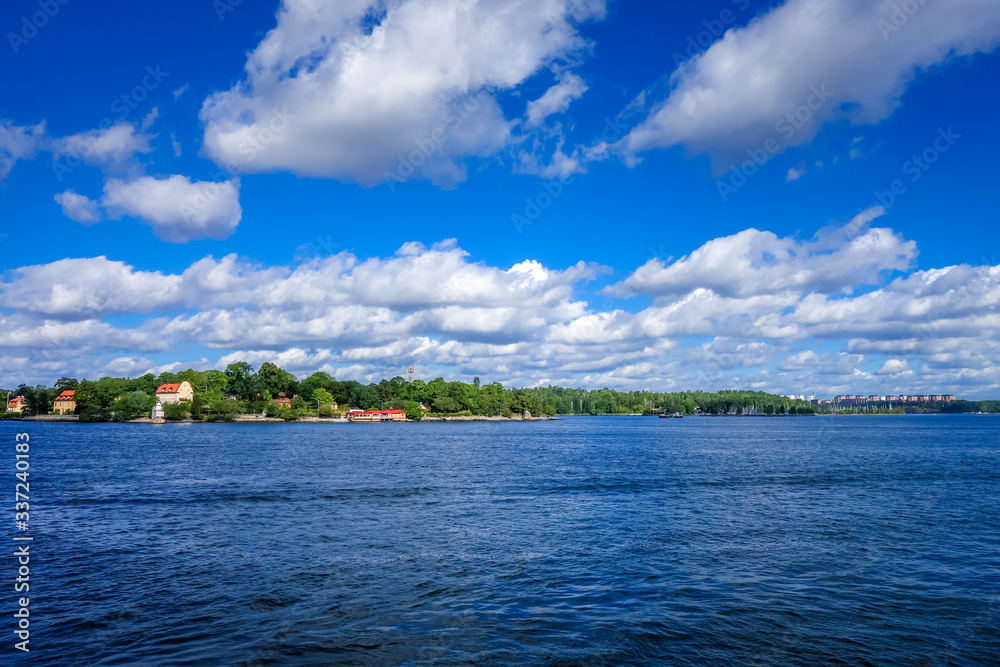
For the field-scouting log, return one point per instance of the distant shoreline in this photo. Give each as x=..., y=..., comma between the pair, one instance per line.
x=74, y=419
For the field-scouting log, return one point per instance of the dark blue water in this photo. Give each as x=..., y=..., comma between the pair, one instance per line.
x=588, y=541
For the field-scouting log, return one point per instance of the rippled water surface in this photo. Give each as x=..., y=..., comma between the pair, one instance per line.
x=587, y=541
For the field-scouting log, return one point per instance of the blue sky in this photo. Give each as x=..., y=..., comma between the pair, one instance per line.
x=530, y=192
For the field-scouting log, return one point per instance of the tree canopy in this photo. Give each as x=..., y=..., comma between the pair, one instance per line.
x=222, y=395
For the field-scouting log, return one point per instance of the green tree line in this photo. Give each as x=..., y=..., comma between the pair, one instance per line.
x=241, y=388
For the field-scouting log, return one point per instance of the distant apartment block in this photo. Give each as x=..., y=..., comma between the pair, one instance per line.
x=859, y=399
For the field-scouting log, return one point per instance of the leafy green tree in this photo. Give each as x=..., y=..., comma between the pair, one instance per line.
x=274, y=379
x=198, y=404
x=240, y=379
x=466, y=395
x=64, y=383
x=446, y=404
x=324, y=402
x=85, y=395
x=224, y=410
x=132, y=405
x=364, y=397
x=146, y=383
x=413, y=411
x=213, y=383
x=110, y=388
x=96, y=399
x=38, y=400
x=191, y=376
x=166, y=377
x=417, y=391
x=176, y=411
x=316, y=381
x=435, y=389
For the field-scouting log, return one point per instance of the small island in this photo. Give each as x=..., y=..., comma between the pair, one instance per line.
x=242, y=394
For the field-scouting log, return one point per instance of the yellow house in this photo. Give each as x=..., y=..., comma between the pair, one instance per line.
x=17, y=404
x=64, y=403
x=177, y=392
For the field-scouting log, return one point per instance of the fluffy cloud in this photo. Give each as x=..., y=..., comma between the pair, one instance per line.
x=834, y=59
x=755, y=262
x=17, y=143
x=85, y=288
x=177, y=209
x=416, y=279
x=356, y=90
x=556, y=99
x=113, y=148
x=792, y=324
x=127, y=366
x=894, y=367
x=78, y=207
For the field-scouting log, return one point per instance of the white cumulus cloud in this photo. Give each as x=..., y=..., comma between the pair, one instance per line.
x=786, y=319
x=803, y=64
x=358, y=90
x=556, y=99
x=18, y=142
x=755, y=262
x=894, y=367
x=112, y=148
x=78, y=207
x=177, y=209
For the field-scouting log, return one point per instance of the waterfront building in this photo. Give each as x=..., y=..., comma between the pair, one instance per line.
x=377, y=415
x=175, y=392
x=65, y=403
